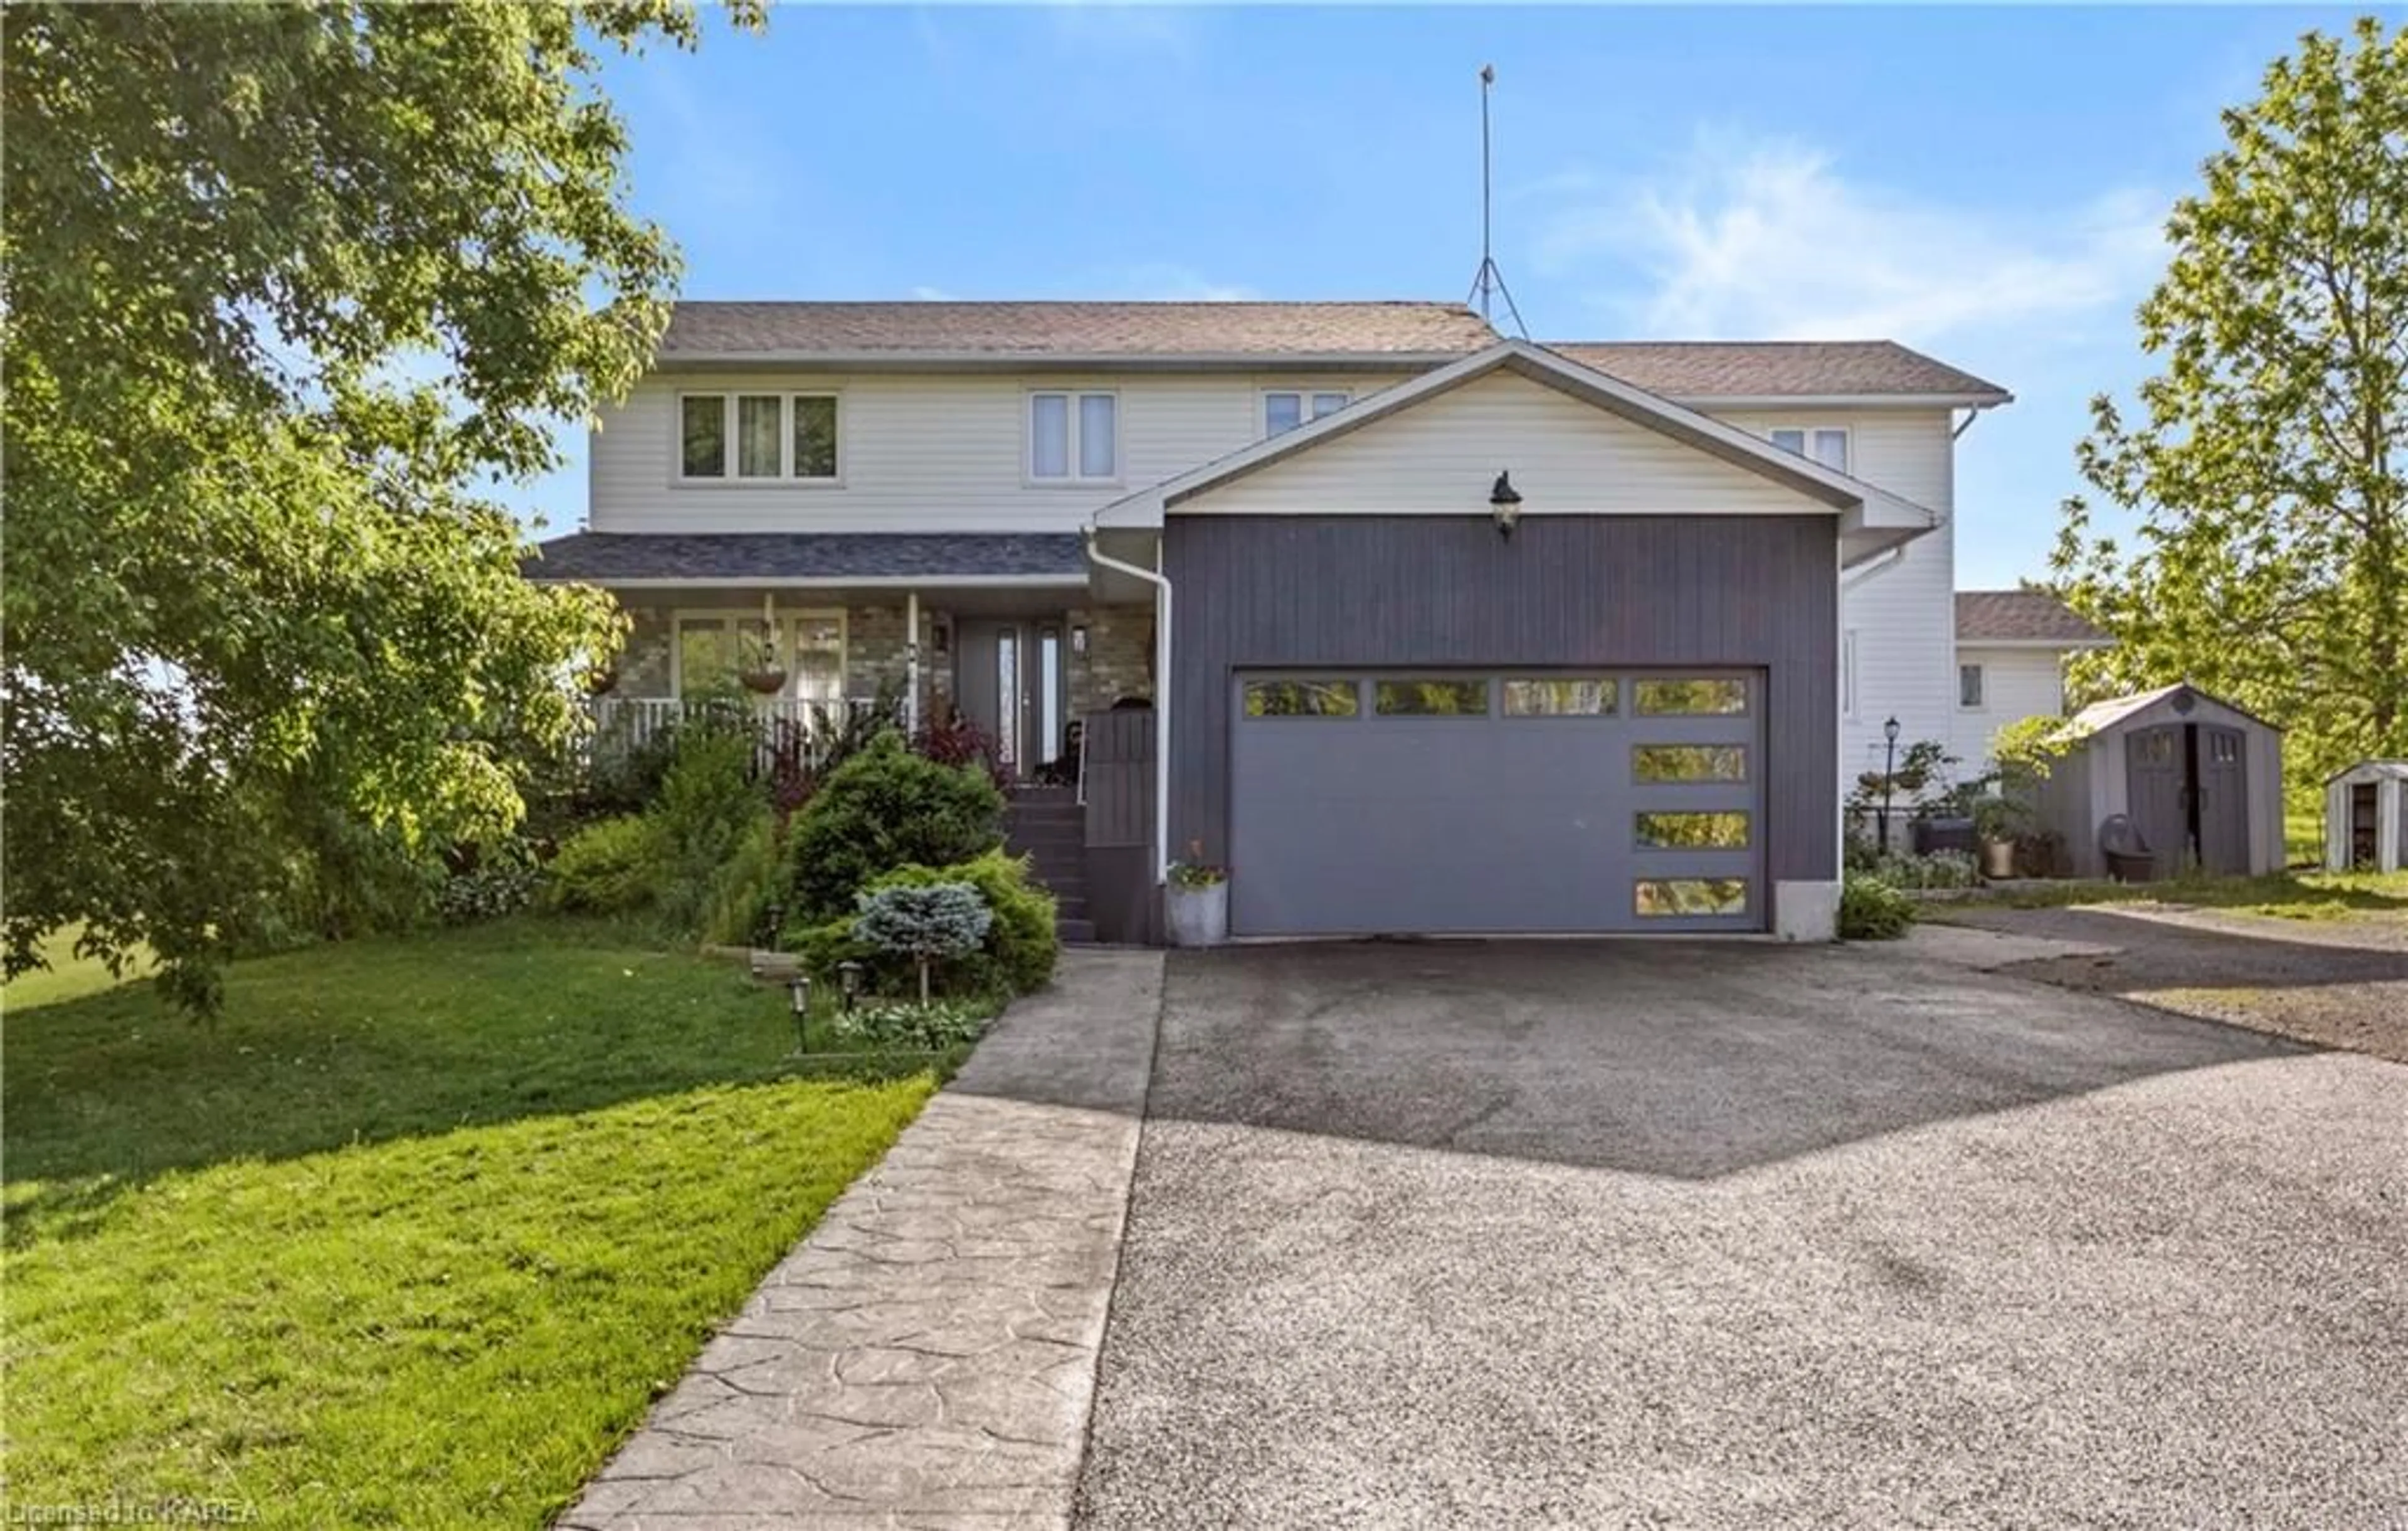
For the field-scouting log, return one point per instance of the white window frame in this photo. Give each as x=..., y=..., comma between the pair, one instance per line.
x=1305, y=413
x=1806, y=441
x=727, y=615
x=1981, y=673
x=1073, y=478
x=729, y=413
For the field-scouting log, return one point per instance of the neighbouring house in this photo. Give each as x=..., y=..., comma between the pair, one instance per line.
x=1416, y=628
x=2010, y=651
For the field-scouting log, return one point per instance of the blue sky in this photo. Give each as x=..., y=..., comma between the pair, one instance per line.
x=1984, y=184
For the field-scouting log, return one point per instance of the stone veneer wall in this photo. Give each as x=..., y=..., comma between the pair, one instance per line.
x=1119, y=661
x=875, y=657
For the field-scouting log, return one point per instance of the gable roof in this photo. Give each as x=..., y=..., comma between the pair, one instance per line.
x=1736, y=371
x=2105, y=714
x=1889, y=518
x=1397, y=331
x=2023, y=617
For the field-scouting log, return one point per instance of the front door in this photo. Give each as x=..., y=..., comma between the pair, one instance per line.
x=1008, y=681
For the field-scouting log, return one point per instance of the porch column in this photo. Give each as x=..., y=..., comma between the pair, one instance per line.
x=911, y=662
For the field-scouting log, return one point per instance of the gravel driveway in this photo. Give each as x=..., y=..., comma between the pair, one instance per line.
x=1699, y=1235
x=2335, y=983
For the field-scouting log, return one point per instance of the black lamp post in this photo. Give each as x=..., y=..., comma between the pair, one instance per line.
x=848, y=973
x=798, y=994
x=1889, y=771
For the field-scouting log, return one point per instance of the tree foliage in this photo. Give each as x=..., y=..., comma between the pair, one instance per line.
x=289, y=288
x=2266, y=465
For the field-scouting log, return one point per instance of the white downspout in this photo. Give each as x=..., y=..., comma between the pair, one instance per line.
x=1161, y=584
x=911, y=662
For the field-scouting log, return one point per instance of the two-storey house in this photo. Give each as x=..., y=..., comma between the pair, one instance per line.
x=1416, y=628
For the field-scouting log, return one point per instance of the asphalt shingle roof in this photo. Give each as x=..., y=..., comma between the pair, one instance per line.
x=604, y=557
x=2019, y=616
x=1733, y=369
x=1074, y=329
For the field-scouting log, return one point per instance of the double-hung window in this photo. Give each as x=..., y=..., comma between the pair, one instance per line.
x=1826, y=444
x=1287, y=410
x=757, y=438
x=1074, y=437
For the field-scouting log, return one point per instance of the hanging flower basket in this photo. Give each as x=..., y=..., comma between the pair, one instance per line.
x=767, y=682
x=603, y=681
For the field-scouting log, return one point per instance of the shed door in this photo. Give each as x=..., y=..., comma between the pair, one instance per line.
x=2154, y=771
x=1496, y=802
x=2223, y=801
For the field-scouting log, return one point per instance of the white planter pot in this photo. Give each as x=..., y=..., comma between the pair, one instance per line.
x=1197, y=916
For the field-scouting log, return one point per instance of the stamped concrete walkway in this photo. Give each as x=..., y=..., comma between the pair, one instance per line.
x=927, y=1357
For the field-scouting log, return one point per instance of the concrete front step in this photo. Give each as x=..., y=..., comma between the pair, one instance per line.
x=1075, y=932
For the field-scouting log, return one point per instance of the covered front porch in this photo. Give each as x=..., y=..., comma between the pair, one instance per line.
x=1014, y=635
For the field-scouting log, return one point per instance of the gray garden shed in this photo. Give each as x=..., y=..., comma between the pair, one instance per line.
x=2200, y=780
x=2366, y=816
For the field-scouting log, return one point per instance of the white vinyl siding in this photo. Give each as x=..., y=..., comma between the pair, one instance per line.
x=927, y=452
x=1440, y=457
x=1904, y=612
x=2016, y=684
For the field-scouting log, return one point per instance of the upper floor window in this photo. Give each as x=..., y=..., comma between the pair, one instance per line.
x=1286, y=410
x=757, y=437
x=1074, y=437
x=1826, y=444
x=1968, y=687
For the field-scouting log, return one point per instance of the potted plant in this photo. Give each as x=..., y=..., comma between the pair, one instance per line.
x=1197, y=900
x=1996, y=820
x=761, y=674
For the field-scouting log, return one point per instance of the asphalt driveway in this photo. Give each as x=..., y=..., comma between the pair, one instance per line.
x=1710, y=1234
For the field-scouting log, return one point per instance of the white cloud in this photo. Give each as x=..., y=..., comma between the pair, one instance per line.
x=1765, y=238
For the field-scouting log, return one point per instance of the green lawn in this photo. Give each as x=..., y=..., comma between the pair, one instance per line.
x=411, y=1235
x=2287, y=896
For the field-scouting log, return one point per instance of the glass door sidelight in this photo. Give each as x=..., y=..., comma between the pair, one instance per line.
x=1047, y=708
x=1010, y=701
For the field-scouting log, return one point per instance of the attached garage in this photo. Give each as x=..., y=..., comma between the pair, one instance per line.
x=1403, y=698
x=1451, y=801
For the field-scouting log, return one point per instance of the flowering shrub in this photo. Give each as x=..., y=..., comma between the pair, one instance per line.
x=927, y=1027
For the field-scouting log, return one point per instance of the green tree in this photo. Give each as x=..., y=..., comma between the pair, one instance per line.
x=289, y=288
x=2267, y=468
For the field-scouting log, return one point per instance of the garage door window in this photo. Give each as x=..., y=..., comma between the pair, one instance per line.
x=1659, y=763
x=1596, y=697
x=1703, y=698
x=1674, y=897
x=1301, y=699
x=1430, y=698
x=1692, y=831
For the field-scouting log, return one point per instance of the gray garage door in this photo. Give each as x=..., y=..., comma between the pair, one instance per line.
x=1457, y=801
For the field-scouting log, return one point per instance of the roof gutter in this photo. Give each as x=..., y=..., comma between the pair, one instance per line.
x=1065, y=580
x=1161, y=583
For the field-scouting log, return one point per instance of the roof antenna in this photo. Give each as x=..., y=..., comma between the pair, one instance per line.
x=1488, y=283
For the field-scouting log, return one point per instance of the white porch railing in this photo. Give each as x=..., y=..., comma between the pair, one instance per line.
x=630, y=722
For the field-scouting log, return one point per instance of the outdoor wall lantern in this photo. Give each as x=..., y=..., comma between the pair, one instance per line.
x=798, y=994
x=1505, y=504
x=1079, y=640
x=848, y=975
